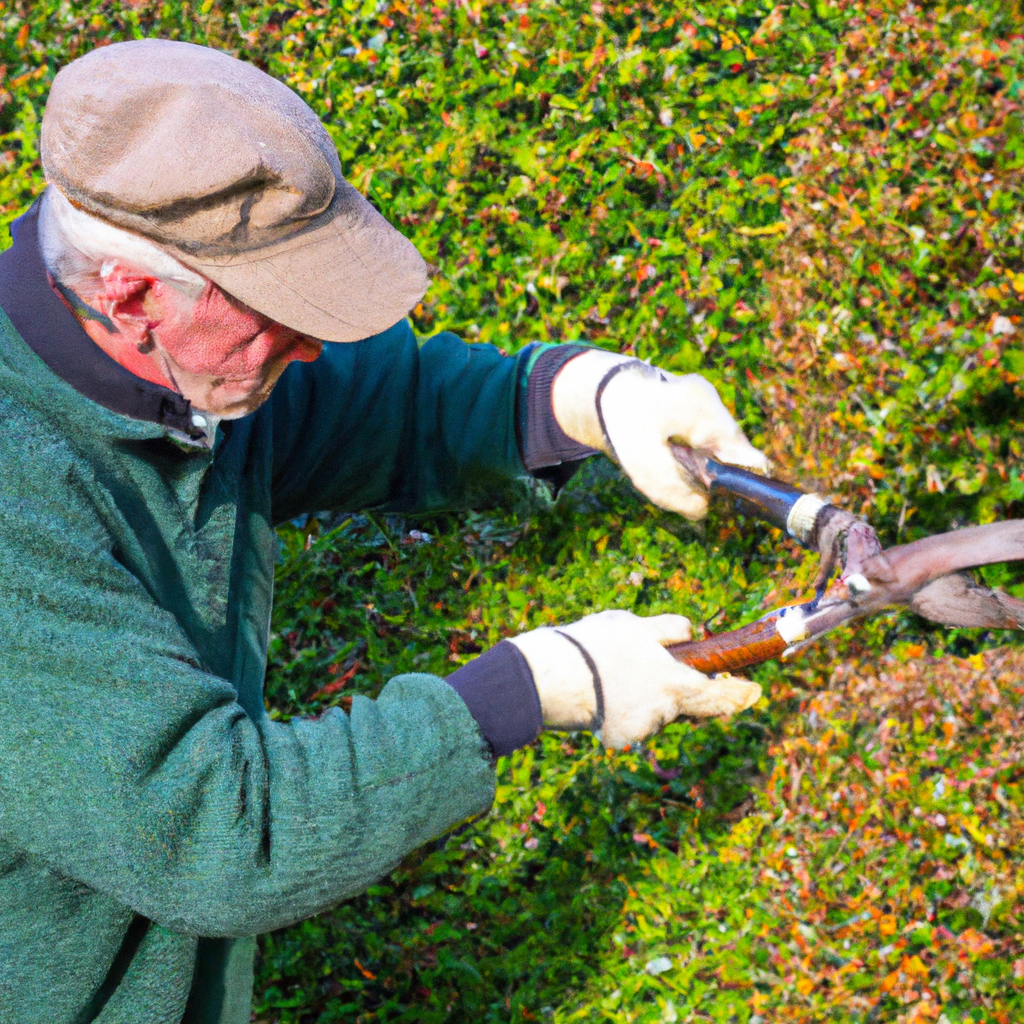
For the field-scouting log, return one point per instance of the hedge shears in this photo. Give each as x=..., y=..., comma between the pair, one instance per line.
x=928, y=575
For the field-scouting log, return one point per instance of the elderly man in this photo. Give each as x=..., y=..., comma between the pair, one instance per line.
x=174, y=380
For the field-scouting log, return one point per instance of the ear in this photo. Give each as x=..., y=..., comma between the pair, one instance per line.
x=123, y=298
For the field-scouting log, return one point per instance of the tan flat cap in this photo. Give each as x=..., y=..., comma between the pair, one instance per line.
x=233, y=174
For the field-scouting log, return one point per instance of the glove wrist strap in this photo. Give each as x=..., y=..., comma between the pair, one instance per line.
x=598, y=719
x=565, y=678
x=632, y=364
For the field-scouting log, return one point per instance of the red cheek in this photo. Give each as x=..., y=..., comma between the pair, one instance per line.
x=223, y=337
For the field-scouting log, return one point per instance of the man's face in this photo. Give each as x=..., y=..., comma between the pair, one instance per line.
x=224, y=357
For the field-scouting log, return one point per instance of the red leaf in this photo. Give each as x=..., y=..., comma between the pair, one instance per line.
x=336, y=685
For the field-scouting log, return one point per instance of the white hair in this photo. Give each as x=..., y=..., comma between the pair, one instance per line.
x=81, y=250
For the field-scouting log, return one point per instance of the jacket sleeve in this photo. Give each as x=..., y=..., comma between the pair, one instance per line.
x=126, y=767
x=384, y=423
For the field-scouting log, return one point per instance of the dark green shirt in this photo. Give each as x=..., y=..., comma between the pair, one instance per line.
x=153, y=819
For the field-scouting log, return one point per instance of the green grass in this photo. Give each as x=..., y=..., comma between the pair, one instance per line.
x=817, y=205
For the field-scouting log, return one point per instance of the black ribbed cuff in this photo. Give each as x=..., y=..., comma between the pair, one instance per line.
x=498, y=690
x=544, y=443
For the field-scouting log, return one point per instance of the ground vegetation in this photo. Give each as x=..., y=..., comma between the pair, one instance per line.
x=819, y=206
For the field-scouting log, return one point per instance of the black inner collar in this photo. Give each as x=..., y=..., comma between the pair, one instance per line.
x=50, y=329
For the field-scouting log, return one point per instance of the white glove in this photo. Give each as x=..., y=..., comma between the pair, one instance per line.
x=635, y=415
x=609, y=673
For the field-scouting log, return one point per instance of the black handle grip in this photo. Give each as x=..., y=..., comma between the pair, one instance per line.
x=760, y=496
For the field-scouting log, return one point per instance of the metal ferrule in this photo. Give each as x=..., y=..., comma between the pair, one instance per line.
x=803, y=515
x=792, y=624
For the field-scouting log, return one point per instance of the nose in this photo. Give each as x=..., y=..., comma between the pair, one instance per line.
x=305, y=349
x=290, y=346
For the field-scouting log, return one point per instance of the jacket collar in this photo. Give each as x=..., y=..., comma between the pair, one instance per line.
x=51, y=330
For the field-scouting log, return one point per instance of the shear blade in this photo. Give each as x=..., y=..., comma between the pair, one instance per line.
x=957, y=600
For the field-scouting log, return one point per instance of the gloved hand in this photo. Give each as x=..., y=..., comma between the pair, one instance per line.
x=609, y=673
x=630, y=411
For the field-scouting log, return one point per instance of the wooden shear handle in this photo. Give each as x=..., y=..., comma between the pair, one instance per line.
x=739, y=648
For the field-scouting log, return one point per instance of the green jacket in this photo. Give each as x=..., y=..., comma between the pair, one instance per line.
x=153, y=819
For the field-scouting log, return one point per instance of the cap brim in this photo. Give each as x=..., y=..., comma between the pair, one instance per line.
x=346, y=276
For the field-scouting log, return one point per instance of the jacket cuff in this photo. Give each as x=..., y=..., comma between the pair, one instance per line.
x=543, y=443
x=499, y=691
